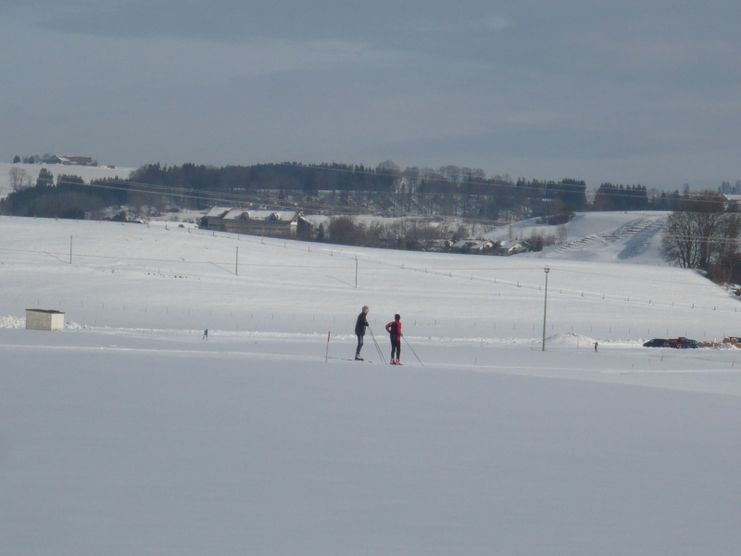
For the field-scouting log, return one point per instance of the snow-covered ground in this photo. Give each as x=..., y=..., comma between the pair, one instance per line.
x=87, y=173
x=129, y=434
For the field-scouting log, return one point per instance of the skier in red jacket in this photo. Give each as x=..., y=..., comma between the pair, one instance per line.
x=394, y=330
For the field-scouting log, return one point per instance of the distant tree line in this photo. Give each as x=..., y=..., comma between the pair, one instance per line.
x=348, y=189
x=449, y=190
x=48, y=158
x=729, y=188
x=308, y=178
x=611, y=197
x=68, y=197
x=445, y=191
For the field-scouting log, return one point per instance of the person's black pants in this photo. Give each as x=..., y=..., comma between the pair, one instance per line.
x=395, y=347
x=360, y=345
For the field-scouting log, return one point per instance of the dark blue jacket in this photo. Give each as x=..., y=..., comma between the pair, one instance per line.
x=361, y=324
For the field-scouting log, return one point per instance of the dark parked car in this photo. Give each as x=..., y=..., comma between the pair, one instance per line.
x=656, y=343
x=676, y=343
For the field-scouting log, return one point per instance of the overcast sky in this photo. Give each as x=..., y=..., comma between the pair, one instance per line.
x=628, y=91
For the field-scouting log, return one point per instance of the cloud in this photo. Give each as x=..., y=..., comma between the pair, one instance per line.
x=567, y=84
x=497, y=23
x=489, y=23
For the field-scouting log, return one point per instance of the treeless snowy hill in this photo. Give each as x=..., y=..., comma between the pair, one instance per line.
x=630, y=236
x=129, y=434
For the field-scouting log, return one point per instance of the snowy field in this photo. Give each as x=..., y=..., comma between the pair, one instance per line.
x=87, y=173
x=129, y=434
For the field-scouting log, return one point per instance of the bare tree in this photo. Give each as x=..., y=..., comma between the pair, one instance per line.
x=19, y=178
x=726, y=265
x=681, y=244
x=695, y=234
x=562, y=234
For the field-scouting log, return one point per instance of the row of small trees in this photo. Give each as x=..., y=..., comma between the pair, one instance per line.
x=399, y=234
x=20, y=179
x=66, y=197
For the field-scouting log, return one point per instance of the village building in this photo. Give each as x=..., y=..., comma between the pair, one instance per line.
x=732, y=202
x=78, y=160
x=268, y=223
x=69, y=160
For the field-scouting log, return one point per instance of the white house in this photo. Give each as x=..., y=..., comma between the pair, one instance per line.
x=44, y=319
x=733, y=201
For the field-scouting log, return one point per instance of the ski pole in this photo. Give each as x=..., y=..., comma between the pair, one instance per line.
x=378, y=348
x=326, y=353
x=414, y=352
x=375, y=342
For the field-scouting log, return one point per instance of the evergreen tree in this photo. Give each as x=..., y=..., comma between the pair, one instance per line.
x=45, y=178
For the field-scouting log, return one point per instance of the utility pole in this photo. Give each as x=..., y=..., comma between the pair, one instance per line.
x=70, y=249
x=356, y=272
x=545, y=303
x=236, y=262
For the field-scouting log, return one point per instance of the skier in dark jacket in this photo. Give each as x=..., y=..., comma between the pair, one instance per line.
x=360, y=325
x=394, y=330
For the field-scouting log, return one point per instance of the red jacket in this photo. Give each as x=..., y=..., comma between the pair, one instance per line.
x=394, y=328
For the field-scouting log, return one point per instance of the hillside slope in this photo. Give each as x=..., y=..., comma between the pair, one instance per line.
x=138, y=276
x=632, y=236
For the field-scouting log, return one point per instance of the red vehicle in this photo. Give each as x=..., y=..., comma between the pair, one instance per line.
x=683, y=343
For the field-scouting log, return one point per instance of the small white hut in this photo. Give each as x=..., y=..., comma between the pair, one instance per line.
x=44, y=319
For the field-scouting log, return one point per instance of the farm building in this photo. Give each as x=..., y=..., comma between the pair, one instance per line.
x=267, y=223
x=78, y=160
x=733, y=202
x=213, y=219
x=44, y=319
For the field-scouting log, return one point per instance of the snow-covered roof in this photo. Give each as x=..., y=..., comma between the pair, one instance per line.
x=235, y=214
x=239, y=213
x=217, y=211
x=265, y=214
